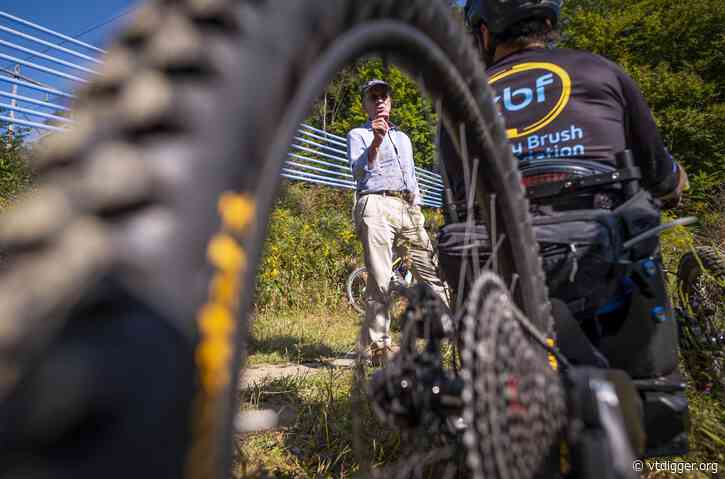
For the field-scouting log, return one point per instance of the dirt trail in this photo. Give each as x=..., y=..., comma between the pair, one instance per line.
x=265, y=372
x=277, y=412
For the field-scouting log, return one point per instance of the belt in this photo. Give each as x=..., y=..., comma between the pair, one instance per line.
x=403, y=195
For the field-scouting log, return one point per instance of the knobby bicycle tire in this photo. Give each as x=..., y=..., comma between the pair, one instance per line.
x=712, y=261
x=153, y=210
x=699, y=272
x=703, y=264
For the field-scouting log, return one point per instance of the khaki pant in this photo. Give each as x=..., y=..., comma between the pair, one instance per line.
x=381, y=223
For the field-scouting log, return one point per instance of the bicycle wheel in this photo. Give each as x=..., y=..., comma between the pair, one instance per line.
x=153, y=212
x=355, y=287
x=701, y=289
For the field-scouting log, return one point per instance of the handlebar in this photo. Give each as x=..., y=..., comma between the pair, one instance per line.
x=688, y=220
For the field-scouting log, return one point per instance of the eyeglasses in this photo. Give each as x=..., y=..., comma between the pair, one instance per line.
x=378, y=96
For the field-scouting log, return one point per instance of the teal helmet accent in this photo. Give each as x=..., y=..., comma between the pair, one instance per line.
x=498, y=15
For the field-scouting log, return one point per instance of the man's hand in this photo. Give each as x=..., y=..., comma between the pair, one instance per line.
x=672, y=200
x=380, y=129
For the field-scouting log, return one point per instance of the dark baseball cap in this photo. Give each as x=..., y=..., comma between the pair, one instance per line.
x=373, y=83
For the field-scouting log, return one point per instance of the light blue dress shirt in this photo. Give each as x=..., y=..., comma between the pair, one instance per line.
x=393, y=169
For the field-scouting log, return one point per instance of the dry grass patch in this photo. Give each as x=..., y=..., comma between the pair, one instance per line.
x=315, y=436
x=298, y=337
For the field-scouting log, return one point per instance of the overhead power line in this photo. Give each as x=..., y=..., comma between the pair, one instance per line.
x=78, y=35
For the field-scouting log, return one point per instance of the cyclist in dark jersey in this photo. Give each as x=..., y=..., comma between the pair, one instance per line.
x=568, y=106
x=558, y=104
x=562, y=103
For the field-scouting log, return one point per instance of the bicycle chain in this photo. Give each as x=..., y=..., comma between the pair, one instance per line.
x=514, y=403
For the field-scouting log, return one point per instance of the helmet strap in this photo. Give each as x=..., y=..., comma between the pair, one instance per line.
x=490, y=52
x=487, y=54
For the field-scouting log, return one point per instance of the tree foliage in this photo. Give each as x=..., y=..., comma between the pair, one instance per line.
x=412, y=111
x=311, y=248
x=675, y=51
x=15, y=172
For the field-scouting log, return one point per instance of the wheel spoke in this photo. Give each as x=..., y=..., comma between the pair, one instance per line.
x=471, y=221
x=493, y=232
x=494, y=252
x=514, y=282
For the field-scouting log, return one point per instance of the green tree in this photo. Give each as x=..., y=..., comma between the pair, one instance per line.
x=676, y=52
x=412, y=111
x=15, y=172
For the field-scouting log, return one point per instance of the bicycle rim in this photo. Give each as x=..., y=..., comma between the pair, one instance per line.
x=355, y=287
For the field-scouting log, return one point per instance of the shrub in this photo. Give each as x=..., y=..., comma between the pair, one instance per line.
x=310, y=249
x=15, y=172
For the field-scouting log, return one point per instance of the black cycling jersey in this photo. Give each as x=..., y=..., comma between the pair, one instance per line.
x=561, y=103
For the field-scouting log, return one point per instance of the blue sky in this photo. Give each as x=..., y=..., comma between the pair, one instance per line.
x=69, y=17
x=90, y=21
x=73, y=18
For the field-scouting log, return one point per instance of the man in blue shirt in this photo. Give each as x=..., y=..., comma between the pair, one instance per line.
x=387, y=211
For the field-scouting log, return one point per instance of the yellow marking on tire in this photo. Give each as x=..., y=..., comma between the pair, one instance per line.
x=552, y=359
x=225, y=254
x=237, y=211
x=217, y=330
x=216, y=321
x=225, y=288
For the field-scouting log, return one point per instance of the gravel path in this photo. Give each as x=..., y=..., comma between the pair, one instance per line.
x=264, y=372
x=277, y=415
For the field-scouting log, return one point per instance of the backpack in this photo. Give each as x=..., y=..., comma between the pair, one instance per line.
x=582, y=250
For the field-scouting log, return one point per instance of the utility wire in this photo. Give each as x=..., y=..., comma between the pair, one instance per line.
x=87, y=30
x=12, y=73
x=99, y=25
x=78, y=35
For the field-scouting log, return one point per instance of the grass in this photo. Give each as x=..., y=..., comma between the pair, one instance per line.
x=315, y=440
x=707, y=431
x=318, y=414
x=315, y=409
x=303, y=336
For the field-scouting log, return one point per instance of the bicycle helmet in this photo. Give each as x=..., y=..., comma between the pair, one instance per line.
x=498, y=15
